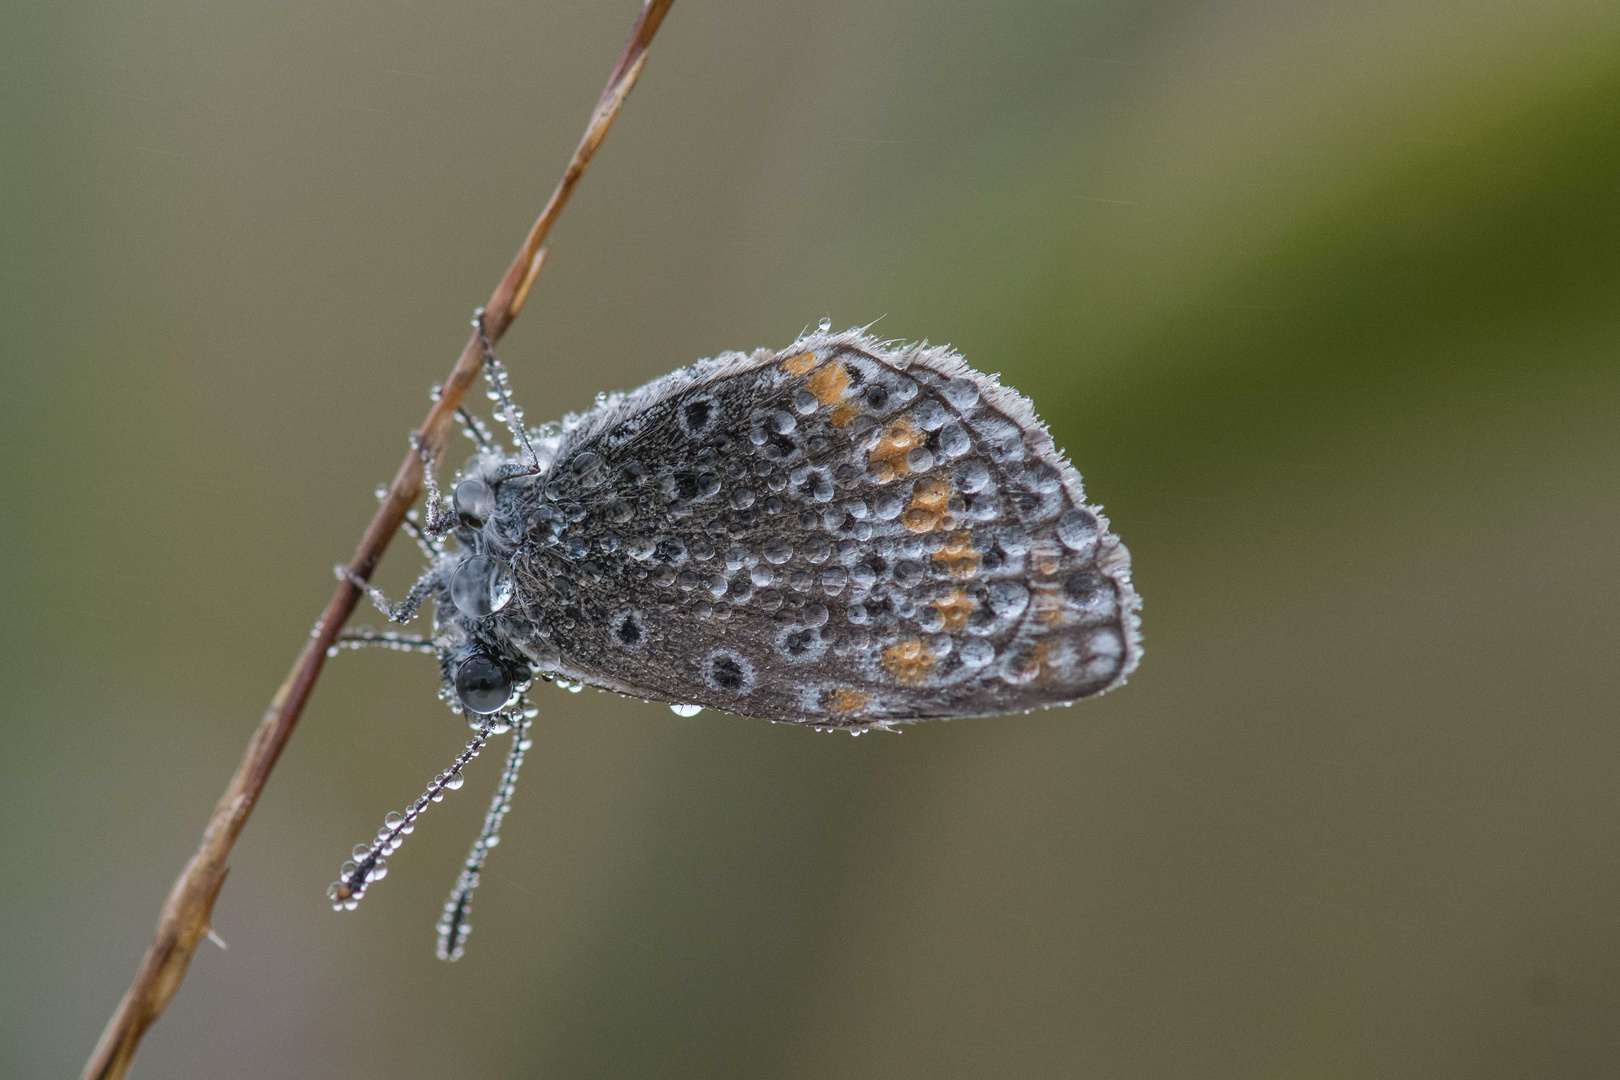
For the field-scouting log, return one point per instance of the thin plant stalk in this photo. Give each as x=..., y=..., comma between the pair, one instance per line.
x=185, y=917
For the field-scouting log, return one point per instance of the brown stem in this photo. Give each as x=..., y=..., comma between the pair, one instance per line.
x=186, y=914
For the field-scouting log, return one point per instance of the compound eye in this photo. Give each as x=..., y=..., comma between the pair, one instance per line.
x=483, y=685
x=474, y=501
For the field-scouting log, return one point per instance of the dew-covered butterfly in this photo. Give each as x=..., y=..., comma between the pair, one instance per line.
x=845, y=534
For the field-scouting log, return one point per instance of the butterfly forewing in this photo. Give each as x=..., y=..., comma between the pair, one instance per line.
x=838, y=534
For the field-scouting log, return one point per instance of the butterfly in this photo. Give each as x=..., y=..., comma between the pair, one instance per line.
x=844, y=534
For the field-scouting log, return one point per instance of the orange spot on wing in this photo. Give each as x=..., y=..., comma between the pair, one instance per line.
x=829, y=383
x=958, y=555
x=1041, y=661
x=1047, y=606
x=932, y=494
x=909, y=661
x=845, y=699
x=927, y=507
x=799, y=363
x=843, y=413
x=955, y=609
x=1047, y=557
x=1035, y=664
x=894, y=444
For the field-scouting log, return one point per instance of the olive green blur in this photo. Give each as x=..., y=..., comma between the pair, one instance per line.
x=1323, y=299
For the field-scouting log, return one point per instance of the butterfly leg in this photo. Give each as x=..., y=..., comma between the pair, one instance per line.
x=362, y=637
x=440, y=517
x=406, y=609
x=431, y=546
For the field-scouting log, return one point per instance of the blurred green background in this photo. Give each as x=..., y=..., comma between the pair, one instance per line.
x=1323, y=300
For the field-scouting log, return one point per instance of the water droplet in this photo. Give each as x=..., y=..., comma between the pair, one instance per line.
x=588, y=468
x=481, y=586
x=455, y=781
x=962, y=394
x=824, y=325
x=1078, y=529
x=972, y=476
x=953, y=441
x=1043, y=476
x=482, y=685
x=777, y=550
x=685, y=710
x=474, y=501
x=930, y=415
x=669, y=549
x=1008, y=598
x=976, y=652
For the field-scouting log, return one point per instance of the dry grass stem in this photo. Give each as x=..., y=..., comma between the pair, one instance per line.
x=185, y=917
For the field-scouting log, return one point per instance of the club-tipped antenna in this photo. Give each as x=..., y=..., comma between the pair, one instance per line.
x=453, y=927
x=500, y=389
x=370, y=863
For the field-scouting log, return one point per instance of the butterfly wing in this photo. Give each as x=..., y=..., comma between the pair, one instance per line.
x=840, y=534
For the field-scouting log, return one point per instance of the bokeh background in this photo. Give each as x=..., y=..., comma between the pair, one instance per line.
x=1323, y=299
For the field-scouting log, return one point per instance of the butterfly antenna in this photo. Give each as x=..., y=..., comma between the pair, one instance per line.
x=370, y=863
x=453, y=926
x=500, y=389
